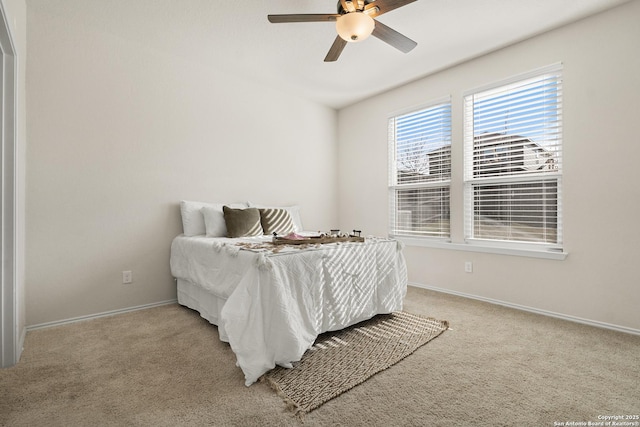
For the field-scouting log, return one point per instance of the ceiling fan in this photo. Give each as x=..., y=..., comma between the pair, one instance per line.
x=355, y=22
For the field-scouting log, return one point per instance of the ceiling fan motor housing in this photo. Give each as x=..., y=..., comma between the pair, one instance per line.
x=341, y=10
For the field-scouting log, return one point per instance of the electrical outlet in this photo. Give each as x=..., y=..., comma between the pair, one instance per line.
x=127, y=277
x=468, y=267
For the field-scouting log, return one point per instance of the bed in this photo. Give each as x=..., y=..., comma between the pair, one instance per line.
x=270, y=302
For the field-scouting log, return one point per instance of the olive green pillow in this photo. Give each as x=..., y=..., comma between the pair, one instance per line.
x=242, y=222
x=276, y=221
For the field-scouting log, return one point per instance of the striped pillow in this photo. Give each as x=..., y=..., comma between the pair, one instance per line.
x=242, y=222
x=276, y=221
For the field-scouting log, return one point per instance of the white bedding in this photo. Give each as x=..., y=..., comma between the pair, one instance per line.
x=275, y=304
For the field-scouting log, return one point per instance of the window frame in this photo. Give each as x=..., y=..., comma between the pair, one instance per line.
x=430, y=184
x=473, y=180
x=457, y=240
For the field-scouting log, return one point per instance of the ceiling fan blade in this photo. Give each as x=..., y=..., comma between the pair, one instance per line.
x=335, y=50
x=392, y=37
x=378, y=7
x=303, y=17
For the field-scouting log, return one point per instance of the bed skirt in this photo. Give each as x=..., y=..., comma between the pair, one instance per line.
x=204, y=302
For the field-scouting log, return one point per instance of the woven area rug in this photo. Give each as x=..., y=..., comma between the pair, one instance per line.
x=339, y=361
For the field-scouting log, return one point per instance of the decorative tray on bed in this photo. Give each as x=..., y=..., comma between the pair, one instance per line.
x=315, y=240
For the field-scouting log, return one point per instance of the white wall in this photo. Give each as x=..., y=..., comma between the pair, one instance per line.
x=599, y=280
x=120, y=130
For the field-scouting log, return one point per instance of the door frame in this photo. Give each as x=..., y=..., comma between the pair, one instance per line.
x=10, y=347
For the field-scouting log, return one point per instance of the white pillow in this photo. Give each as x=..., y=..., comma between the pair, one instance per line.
x=294, y=212
x=214, y=222
x=192, y=218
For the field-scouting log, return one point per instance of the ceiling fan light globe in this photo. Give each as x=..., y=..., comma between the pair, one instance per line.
x=355, y=26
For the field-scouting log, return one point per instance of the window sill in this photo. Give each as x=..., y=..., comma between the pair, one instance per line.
x=443, y=244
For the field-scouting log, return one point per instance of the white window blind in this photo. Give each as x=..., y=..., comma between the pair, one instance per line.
x=420, y=172
x=513, y=161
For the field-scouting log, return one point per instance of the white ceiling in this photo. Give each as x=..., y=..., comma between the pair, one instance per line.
x=235, y=36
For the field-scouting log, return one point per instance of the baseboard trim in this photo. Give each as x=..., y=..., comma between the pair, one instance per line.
x=532, y=309
x=98, y=315
x=570, y=318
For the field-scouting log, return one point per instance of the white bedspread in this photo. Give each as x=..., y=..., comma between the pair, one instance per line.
x=277, y=303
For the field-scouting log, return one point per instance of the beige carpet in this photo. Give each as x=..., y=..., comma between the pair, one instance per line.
x=339, y=361
x=166, y=367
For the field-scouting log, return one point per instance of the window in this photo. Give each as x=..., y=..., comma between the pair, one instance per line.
x=513, y=162
x=420, y=172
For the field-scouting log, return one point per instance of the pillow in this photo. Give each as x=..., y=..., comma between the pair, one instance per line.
x=192, y=218
x=276, y=221
x=214, y=221
x=242, y=222
x=294, y=212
